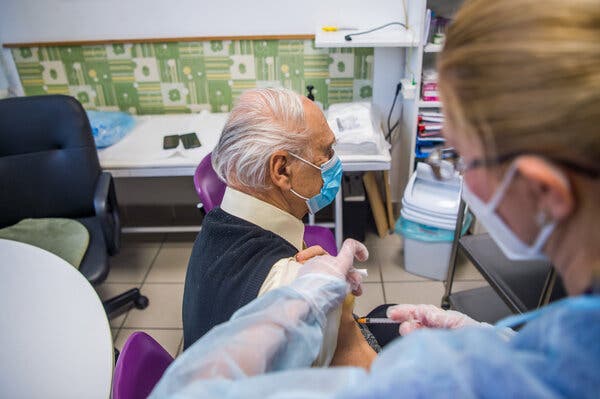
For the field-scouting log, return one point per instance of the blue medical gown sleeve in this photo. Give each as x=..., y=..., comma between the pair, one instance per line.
x=554, y=356
x=281, y=330
x=265, y=351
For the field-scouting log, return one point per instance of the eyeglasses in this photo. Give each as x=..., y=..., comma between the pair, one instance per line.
x=446, y=163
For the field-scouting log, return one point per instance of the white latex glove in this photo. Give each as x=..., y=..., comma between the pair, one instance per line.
x=414, y=317
x=341, y=266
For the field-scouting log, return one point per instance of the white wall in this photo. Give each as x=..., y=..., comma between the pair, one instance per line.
x=57, y=20
x=72, y=20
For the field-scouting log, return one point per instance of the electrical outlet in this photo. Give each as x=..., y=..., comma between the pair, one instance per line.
x=409, y=89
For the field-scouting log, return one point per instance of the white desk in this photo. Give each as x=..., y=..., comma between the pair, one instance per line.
x=140, y=154
x=55, y=339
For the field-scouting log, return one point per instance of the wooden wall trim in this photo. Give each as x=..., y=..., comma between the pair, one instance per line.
x=158, y=40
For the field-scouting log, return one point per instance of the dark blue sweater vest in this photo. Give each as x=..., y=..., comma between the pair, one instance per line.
x=229, y=263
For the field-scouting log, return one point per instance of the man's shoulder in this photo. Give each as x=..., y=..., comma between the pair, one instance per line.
x=218, y=215
x=283, y=272
x=225, y=229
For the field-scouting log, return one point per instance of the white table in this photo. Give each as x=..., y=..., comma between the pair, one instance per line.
x=55, y=339
x=140, y=154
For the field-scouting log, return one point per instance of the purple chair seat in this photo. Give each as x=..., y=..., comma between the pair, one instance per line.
x=211, y=189
x=139, y=367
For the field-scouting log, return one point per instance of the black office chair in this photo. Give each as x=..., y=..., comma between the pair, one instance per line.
x=49, y=168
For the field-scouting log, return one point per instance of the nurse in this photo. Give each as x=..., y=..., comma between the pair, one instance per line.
x=520, y=83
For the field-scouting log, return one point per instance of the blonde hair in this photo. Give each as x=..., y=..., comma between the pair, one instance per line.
x=524, y=76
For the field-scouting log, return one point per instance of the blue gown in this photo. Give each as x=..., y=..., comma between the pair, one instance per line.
x=266, y=349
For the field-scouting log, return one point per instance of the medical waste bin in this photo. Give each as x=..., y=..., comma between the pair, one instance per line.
x=427, y=222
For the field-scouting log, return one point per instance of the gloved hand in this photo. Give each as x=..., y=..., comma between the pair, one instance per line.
x=414, y=317
x=340, y=266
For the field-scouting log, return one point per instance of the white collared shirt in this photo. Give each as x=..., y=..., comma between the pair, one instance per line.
x=284, y=271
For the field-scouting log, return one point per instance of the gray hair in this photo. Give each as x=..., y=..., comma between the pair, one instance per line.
x=262, y=122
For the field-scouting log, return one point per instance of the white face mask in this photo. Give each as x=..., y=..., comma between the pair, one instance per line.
x=509, y=243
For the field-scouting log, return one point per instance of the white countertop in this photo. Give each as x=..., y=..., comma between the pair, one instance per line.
x=140, y=153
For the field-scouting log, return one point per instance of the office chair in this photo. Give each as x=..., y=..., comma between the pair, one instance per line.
x=49, y=168
x=139, y=367
x=211, y=189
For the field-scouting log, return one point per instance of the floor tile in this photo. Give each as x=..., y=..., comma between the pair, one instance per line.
x=168, y=339
x=132, y=263
x=373, y=268
x=114, y=332
x=391, y=261
x=420, y=292
x=180, y=349
x=468, y=285
x=118, y=321
x=171, y=263
x=189, y=237
x=372, y=297
x=109, y=290
x=372, y=239
x=164, y=310
x=465, y=269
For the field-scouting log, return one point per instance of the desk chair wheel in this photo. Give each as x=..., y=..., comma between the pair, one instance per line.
x=122, y=303
x=141, y=302
x=445, y=303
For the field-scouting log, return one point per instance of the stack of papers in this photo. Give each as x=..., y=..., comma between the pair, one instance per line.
x=355, y=130
x=429, y=133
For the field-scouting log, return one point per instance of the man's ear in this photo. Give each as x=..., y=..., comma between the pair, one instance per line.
x=550, y=185
x=279, y=170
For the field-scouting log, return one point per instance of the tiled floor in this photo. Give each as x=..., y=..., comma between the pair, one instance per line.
x=157, y=264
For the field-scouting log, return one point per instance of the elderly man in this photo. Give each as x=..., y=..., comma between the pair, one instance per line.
x=276, y=156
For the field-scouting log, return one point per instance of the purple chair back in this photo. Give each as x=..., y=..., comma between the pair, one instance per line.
x=319, y=235
x=139, y=367
x=211, y=189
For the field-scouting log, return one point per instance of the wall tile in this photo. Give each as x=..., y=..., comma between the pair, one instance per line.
x=182, y=77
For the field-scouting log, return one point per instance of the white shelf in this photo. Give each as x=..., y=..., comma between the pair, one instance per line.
x=388, y=37
x=432, y=48
x=430, y=104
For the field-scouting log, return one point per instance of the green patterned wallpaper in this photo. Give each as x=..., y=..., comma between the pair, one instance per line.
x=157, y=78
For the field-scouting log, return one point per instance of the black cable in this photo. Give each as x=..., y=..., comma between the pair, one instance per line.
x=349, y=36
x=391, y=128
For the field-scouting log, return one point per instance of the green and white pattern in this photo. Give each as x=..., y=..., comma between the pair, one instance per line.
x=180, y=77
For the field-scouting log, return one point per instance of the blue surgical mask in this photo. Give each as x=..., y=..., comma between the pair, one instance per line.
x=331, y=173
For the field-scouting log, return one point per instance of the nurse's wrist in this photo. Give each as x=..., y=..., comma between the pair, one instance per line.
x=323, y=292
